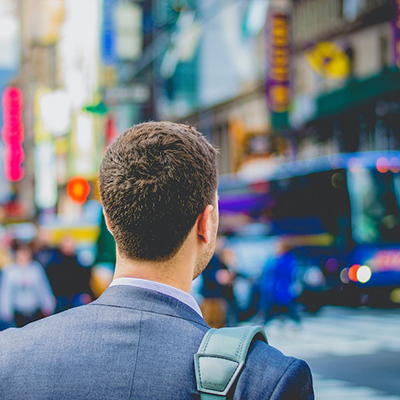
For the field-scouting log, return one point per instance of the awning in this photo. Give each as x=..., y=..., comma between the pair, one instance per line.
x=358, y=93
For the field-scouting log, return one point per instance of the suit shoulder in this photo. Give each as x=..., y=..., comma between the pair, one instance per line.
x=262, y=354
x=39, y=330
x=269, y=372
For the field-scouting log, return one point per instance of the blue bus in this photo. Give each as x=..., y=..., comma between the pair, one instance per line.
x=339, y=213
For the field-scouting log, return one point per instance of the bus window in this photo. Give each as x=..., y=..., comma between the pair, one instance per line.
x=311, y=204
x=376, y=205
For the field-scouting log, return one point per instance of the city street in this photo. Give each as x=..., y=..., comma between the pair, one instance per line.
x=257, y=141
x=353, y=353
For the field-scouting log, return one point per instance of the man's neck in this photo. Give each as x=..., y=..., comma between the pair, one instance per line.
x=176, y=272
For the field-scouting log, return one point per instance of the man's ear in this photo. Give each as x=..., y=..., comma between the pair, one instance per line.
x=204, y=224
x=107, y=222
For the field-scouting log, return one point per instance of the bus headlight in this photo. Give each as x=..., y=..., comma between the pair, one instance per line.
x=314, y=277
x=364, y=274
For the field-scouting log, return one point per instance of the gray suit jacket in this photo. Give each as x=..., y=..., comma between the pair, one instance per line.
x=131, y=343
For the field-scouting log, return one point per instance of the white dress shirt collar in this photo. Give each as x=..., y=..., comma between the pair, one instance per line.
x=162, y=288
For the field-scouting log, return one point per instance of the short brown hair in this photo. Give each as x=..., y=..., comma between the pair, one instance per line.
x=155, y=179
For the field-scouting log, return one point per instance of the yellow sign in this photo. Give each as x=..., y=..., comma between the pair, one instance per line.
x=279, y=57
x=81, y=234
x=329, y=60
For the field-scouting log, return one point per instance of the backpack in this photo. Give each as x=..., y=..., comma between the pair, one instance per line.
x=221, y=358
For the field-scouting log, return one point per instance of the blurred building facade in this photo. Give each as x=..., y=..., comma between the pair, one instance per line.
x=72, y=68
x=279, y=80
x=57, y=76
x=265, y=80
x=356, y=108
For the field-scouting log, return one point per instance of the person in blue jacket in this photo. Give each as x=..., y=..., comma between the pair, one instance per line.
x=278, y=288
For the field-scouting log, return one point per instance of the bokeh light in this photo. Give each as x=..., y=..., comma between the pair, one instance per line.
x=353, y=272
x=364, y=274
x=395, y=296
x=382, y=165
x=344, y=275
x=78, y=189
x=331, y=264
x=395, y=165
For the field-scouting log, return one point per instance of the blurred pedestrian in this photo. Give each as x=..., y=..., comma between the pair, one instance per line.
x=69, y=279
x=228, y=258
x=217, y=292
x=5, y=250
x=278, y=287
x=5, y=259
x=42, y=248
x=25, y=293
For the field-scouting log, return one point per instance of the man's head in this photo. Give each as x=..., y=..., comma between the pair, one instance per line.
x=67, y=246
x=23, y=254
x=155, y=180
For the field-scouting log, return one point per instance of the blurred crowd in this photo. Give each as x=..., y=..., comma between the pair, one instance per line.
x=38, y=278
x=271, y=295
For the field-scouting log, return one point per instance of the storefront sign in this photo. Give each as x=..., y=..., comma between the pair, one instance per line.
x=138, y=93
x=328, y=60
x=12, y=133
x=279, y=59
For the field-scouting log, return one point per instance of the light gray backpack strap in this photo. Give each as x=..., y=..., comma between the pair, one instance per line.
x=221, y=358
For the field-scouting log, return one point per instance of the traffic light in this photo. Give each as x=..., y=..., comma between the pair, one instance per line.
x=78, y=189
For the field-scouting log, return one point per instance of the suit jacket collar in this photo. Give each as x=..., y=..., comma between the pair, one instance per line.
x=148, y=300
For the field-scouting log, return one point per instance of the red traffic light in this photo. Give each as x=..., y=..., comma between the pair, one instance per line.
x=78, y=189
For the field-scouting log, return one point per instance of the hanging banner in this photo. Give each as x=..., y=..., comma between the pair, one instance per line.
x=396, y=34
x=45, y=175
x=108, y=35
x=12, y=133
x=278, y=62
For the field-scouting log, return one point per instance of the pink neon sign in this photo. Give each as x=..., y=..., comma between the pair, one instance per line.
x=12, y=133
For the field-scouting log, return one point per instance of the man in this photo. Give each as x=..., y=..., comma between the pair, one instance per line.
x=158, y=185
